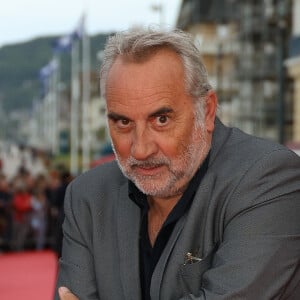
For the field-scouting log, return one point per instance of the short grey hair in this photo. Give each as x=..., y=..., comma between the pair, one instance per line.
x=139, y=43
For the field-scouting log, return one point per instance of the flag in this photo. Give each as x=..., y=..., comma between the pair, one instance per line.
x=48, y=69
x=79, y=30
x=64, y=43
x=44, y=75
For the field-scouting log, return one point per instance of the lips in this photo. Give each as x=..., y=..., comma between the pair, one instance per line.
x=148, y=170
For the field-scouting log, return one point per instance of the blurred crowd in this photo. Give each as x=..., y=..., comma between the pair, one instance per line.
x=31, y=209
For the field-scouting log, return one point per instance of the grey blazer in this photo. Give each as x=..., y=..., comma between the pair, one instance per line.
x=244, y=225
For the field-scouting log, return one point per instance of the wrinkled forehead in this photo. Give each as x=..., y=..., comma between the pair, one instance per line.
x=162, y=68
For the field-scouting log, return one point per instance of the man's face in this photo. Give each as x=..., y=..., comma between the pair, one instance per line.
x=152, y=124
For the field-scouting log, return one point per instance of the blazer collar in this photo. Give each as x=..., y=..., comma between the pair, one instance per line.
x=220, y=136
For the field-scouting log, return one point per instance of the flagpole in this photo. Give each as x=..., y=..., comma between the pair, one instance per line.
x=50, y=106
x=45, y=117
x=66, y=43
x=75, y=94
x=56, y=79
x=52, y=113
x=54, y=106
x=85, y=98
x=48, y=128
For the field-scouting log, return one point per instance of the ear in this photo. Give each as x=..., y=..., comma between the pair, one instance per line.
x=210, y=110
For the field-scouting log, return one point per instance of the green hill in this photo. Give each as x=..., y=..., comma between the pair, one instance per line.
x=20, y=65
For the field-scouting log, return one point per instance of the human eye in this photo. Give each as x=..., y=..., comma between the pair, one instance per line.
x=161, y=120
x=162, y=117
x=123, y=123
x=119, y=121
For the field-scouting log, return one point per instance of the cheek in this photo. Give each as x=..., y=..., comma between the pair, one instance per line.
x=121, y=145
x=179, y=140
x=171, y=147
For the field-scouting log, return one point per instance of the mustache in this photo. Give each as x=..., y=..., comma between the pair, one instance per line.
x=148, y=163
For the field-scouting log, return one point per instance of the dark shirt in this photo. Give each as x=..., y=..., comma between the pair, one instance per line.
x=149, y=255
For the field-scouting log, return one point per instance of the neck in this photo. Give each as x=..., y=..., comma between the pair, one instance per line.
x=162, y=206
x=159, y=209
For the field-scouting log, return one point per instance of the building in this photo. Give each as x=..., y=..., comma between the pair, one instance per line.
x=293, y=67
x=214, y=27
x=244, y=44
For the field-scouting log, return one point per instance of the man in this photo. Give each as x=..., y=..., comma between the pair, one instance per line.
x=192, y=209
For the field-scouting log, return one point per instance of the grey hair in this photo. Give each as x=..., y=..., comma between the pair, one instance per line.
x=139, y=43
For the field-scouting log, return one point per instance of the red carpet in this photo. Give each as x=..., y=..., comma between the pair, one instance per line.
x=28, y=275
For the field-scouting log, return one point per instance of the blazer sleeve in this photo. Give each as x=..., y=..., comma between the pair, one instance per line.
x=259, y=253
x=76, y=265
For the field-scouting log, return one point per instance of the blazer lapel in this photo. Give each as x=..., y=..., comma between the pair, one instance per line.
x=160, y=267
x=128, y=242
x=187, y=233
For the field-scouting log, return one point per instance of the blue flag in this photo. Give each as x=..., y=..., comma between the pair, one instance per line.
x=79, y=30
x=64, y=43
x=44, y=76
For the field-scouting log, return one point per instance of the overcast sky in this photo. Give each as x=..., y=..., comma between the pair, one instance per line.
x=22, y=20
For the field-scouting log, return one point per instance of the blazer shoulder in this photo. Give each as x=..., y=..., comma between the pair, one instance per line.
x=236, y=149
x=244, y=165
x=107, y=176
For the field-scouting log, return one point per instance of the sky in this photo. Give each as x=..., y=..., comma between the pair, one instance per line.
x=23, y=20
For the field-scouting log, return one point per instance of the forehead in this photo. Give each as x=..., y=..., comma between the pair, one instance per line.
x=159, y=76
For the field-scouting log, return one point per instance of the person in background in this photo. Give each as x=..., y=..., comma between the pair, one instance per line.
x=192, y=209
x=39, y=204
x=5, y=214
x=21, y=203
x=57, y=211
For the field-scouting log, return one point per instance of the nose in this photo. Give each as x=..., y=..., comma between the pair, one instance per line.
x=143, y=144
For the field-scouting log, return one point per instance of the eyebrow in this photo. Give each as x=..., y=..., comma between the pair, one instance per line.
x=161, y=111
x=164, y=110
x=114, y=116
